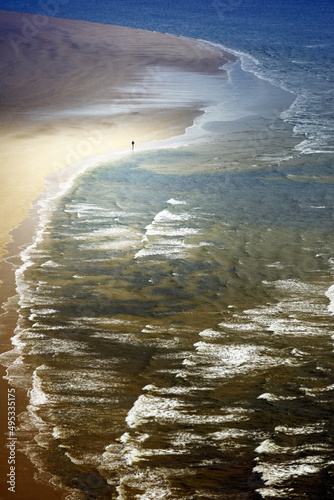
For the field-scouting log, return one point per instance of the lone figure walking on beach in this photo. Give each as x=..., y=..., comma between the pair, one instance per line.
x=133, y=145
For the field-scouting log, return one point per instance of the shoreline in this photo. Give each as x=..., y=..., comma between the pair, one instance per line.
x=112, y=77
x=31, y=141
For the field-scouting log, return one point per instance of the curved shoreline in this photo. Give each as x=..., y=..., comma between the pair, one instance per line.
x=39, y=147
x=79, y=100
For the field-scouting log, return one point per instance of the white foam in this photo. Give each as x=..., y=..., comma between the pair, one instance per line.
x=62, y=432
x=153, y=329
x=125, y=244
x=168, y=253
x=314, y=392
x=150, y=407
x=50, y=263
x=210, y=333
x=272, y=493
x=42, y=312
x=172, y=201
x=274, y=397
x=330, y=295
x=174, y=390
x=292, y=326
x=278, y=474
x=37, y=395
x=270, y=447
x=156, y=230
x=112, y=232
x=228, y=434
x=167, y=216
x=153, y=485
x=216, y=361
x=306, y=429
x=132, y=447
x=237, y=326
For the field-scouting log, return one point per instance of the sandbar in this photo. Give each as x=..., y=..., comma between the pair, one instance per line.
x=67, y=90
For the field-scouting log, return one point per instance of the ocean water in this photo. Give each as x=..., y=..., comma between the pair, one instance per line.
x=176, y=307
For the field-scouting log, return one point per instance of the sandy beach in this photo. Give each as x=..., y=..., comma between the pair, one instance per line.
x=72, y=90
x=59, y=80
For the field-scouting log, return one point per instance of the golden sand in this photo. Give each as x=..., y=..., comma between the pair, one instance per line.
x=52, y=70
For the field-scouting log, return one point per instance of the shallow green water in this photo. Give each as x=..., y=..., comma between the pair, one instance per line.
x=179, y=334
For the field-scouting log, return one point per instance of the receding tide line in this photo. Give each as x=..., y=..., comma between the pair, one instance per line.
x=61, y=181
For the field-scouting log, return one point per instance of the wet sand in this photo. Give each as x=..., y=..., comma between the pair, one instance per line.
x=59, y=85
x=72, y=90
